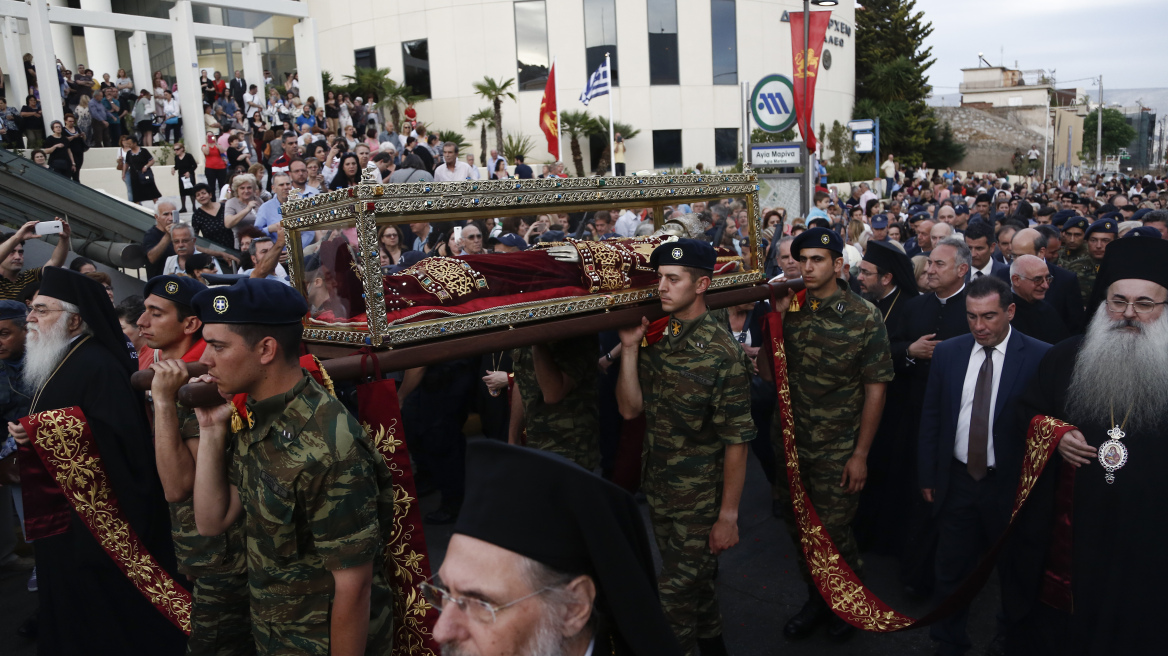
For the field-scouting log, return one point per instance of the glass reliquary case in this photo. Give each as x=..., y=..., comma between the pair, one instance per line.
x=357, y=298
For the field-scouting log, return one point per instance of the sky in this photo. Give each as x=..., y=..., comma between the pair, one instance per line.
x=1121, y=39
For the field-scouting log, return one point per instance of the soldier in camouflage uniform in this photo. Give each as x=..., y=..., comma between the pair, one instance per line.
x=1074, y=235
x=315, y=495
x=220, y=613
x=694, y=388
x=838, y=364
x=556, y=399
x=1098, y=235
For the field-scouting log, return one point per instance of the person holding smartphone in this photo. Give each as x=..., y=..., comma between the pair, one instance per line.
x=13, y=277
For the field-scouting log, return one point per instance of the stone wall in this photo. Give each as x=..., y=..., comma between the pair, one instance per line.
x=990, y=141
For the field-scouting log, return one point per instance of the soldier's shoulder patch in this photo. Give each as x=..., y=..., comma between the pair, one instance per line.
x=839, y=307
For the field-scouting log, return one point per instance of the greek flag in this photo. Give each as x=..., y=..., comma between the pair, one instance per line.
x=597, y=84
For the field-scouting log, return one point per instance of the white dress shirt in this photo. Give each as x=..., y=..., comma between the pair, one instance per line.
x=976, y=358
x=444, y=174
x=987, y=270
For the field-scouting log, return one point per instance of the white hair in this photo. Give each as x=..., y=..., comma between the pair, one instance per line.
x=47, y=347
x=166, y=200
x=178, y=225
x=1121, y=371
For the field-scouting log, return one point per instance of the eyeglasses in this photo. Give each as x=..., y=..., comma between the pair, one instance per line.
x=1038, y=280
x=41, y=310
x=476, y=609
x=1118, y=306
x=473, y=237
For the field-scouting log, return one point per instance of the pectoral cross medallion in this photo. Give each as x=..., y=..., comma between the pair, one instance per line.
x=1113, y=453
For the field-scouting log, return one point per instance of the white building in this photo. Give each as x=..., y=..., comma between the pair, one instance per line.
x=677, y=63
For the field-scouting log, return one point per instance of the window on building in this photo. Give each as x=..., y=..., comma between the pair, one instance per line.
x=365, y=58
x=666, y=149
x=722, y=20
x=416, y=65
x=531, y=44
x=600, y=36
x=663, y=42
x=725, y=146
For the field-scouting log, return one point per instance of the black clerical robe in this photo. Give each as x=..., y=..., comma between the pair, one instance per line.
x=1066, y=299
x=1038, y=320
x=1119, y=538
x=87, y=606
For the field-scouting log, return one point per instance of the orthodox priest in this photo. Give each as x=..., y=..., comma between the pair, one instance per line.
x=78, y=359
x=1085, y=554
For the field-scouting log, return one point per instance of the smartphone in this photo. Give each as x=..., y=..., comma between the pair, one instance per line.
x=457, y=233
x=48, y=228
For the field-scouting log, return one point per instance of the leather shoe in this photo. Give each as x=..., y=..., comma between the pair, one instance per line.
x=804, y=623
x=839, y=630
x=712, y=646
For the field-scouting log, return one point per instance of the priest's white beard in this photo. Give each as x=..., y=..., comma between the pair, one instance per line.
x=45, y=350
x=548, y=639
x=1123, y=369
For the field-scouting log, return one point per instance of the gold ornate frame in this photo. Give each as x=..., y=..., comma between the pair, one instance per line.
x=370, y=204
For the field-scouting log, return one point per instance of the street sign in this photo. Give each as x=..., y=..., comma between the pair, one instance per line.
x=777, y=155
x=864, y=142
x=773, y=103
x=861, y=124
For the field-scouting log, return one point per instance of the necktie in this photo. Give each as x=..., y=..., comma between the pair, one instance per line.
x=980, y=274
x=979, y=419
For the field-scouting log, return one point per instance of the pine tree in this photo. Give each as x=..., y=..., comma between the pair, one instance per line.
x=891, y=83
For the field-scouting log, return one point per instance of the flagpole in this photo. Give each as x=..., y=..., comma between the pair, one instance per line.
x=611, y=126
x=559, y=136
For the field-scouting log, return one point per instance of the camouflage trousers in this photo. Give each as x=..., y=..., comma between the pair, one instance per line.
x=584, y=451
x=836, y=508
x=221, y=617
x=688, y=569
x=298, y=625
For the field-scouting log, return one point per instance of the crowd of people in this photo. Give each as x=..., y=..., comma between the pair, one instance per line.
x=937, y=319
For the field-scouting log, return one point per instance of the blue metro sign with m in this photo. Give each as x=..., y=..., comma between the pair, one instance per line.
x=773, y=103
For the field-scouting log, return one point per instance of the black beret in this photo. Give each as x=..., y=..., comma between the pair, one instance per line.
x=920, y=216
x=1139, y=214
x=1104, y=225
x=179, y=289
x=1143, y=231
x=684, y=252
x=1079, y=222
x=251, y=300
x=13, y=310
x=817, y=238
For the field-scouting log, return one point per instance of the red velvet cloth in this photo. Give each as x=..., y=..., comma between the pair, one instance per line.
x=46, y=510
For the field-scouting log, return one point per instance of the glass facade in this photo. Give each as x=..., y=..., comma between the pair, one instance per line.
x=725, y=146
x=666, y=149
x=416, y=66
x=600, y=36
x=663, y=42
x=531, y=44
x=725, y=41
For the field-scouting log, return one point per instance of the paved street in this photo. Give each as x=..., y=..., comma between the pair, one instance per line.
x=759, y=588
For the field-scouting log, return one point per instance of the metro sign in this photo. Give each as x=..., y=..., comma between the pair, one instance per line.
x=773, y=103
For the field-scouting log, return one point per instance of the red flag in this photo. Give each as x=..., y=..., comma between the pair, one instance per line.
x=547, y=114
x=804, y=103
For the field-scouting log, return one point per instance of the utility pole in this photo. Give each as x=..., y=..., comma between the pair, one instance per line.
x=1099, y=131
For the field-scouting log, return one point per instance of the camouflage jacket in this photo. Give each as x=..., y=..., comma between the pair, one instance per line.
x=695, y=385
x=317, y=497
x=834, y=346
x=1067, y=257
x=571, y=427
x=1086, y=268
x=200, y=555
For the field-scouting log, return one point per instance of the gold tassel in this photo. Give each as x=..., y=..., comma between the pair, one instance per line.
x=236, y=420
x=325, y=379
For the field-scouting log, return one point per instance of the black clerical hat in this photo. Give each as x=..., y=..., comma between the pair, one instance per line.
x=891, y=259
x=1125, y=259
x=97, y=311
x=547, y=508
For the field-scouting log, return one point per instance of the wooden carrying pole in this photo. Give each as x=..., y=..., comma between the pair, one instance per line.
x=349, y=367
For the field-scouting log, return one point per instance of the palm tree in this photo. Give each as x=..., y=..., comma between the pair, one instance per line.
x=369, y=81
x=573, y=125
x=492, y=90
x=393, y=96
x=625, y=130
x=481, y=120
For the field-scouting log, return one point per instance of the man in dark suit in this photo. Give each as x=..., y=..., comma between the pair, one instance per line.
x=928, y=320
x=979, y=236
x=1064, y=295
x=972, y=441
x=238, y=88
x=1034, y=317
